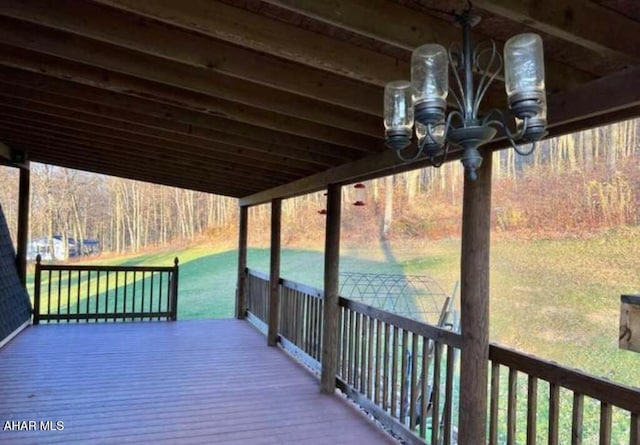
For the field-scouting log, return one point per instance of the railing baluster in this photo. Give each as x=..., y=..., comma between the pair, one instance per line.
x=394, y=373
x=448, y=401
x=404, y=378
x=413, y=400
x=152, y=282
x=386, y=375
x=634, y=430
x=532, y=409
x=605, y=423
x=133, y=302
x=106, y=296
x=78, y=295
x=59, y=293
x=554, y=413
x=316, y=327
x=97, y=293
x=168, y=295
x=378, y=361
x=495, y=403
x=294, y=319
x=124, y=298
x=576, y=419
x=344, y=339
x=37, y=291
x=144, y=280
x=49, y=296
x=424, y=377
x=356, y=358
x=68, y=294
x=88, y=296
x=117, y=290
x=511, y=406
x=435, y=413
x=370, y=362
x=363, y=359
x=160, y=295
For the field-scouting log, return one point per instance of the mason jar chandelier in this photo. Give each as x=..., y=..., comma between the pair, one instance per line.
x=420, y=105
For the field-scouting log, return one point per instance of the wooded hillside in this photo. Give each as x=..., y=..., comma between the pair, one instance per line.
x=571, y=186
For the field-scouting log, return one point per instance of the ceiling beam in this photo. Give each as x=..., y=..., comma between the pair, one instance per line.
x=119, y=83
x=65, y=128
x=408, y=28
x=127, y=161
x=596, y=103
x=101, y=165
x=153, y=38
x=16, y=99
x=71, y=47
x=300, y=148
x=77, y=147
x=581, y=22
x=264, y=34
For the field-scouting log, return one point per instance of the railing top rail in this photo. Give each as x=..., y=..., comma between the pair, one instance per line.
x=622, y=396
x=309, y=290
x=426, y=330
x=79, y=267
x=258, y=274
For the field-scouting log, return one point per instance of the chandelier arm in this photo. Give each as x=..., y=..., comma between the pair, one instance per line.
x=486, y=81
x=456, y=98
x=478, y=52
x=501, y=121
x=452, y=62
x=520, y=151
x=443, y=159
x=410, y=158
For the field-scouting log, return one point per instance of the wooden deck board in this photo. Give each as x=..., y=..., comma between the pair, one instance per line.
x=189, y=382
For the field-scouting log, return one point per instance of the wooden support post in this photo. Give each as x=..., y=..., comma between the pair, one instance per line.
x=23, y=223
x=474, y=296
x=274, y=272
x=241, y=289
x=331, y=287
x=174, y=290
x=37, y=285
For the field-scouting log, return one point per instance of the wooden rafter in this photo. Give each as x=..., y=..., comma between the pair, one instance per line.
x=136, y=109
x=115, y=27
x=409, y=29
x=125, y=84
x=582, y=22
x=165, y=72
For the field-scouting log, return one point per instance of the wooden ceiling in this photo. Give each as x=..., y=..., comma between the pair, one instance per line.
x=256, y=99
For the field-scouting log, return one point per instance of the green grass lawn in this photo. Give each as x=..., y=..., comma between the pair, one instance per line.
x=556, y=299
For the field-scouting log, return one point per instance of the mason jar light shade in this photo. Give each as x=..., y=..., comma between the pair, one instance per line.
x=430, y=73
x=524, y=65
x=437, y=133
x=398, y=107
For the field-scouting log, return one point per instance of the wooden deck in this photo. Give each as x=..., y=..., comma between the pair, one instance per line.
x=189, y=382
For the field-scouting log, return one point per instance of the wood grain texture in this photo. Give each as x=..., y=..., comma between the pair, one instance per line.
x=474, y=302
x=241, y=290
x=190, y=382
x=23, y=223
x=274, y=271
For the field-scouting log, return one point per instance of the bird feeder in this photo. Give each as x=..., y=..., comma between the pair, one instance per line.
x=323, y=211
x=630, y=322
x=360, y=194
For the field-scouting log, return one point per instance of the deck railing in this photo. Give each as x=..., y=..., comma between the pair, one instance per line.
x=400, y=370
x=397, y=369
x=531, y=397
x=83, y=293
